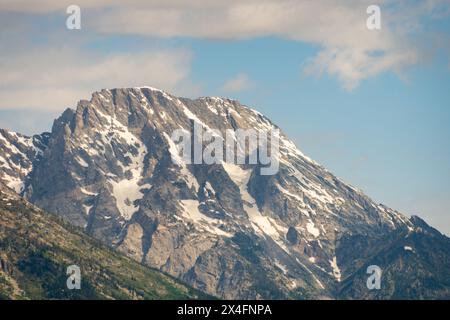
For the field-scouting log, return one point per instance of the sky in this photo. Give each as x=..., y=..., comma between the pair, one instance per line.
x=372, y=106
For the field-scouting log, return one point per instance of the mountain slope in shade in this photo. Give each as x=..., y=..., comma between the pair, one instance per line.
x=36, y=248
x=415, y=264
x=224, y=228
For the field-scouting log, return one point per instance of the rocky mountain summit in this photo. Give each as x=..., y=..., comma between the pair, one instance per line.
x=111, y=168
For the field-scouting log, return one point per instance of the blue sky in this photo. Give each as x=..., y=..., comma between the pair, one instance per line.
x=374, y=107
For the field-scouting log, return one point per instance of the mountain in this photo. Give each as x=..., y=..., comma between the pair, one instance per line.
x=18, y=154
x=224, y=228
x=415, y=265
x=36, y=248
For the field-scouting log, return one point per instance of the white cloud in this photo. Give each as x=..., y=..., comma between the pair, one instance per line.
x=55, y=78
x=352, y=66
x=240, y=82
x=347, y=49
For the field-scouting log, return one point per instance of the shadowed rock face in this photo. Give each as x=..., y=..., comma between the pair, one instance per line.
x=36, y=248
x=224, y=228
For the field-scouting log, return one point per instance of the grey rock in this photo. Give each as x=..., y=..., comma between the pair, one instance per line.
x=225, y=229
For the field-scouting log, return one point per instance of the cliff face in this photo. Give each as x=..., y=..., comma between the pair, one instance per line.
x=224, y=228
x=36, y=248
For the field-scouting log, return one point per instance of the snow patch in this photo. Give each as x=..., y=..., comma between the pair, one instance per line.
x=14, y=183
x=192, y=213
x=190, y=179
x=87, y=209
x=311, y=273
x=127, y=190
x=89, y=193
x=336, y=270
x=81, y=162
x=310, y=227
x=281, y=266
x=260, y=223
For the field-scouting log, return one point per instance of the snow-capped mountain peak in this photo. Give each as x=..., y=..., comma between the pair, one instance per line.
x=111, y=167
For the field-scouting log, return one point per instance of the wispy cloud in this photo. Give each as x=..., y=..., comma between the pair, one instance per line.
x=347, y=50
x=239, y=82
x=57, y=77
x=351, y=66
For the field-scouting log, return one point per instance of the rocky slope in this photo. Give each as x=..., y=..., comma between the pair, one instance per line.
x=224, y=228
x=415, y=264
x=18, y=154
x=36, y=248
